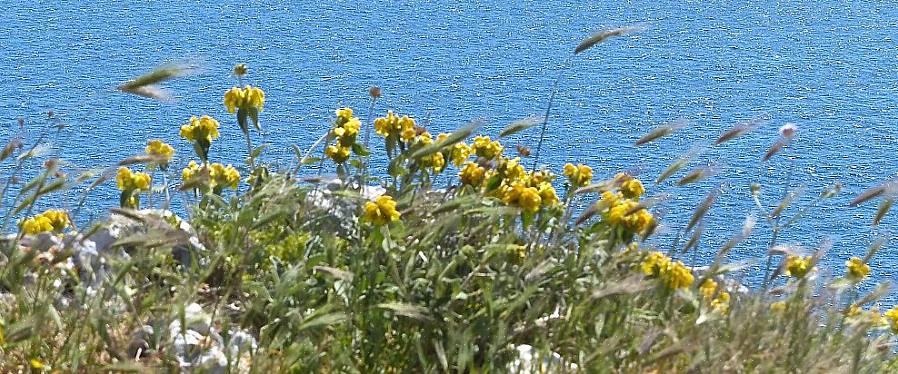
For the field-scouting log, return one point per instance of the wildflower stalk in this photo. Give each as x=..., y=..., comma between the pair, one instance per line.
x=542, y=131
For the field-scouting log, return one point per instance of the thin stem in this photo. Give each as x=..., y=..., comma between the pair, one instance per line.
x=542, y=132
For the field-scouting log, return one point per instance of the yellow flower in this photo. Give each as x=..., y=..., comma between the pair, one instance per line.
x=620, y=213
x=130, y=181
x=512, y=170
x=892, y=317
x=632, y=188
x=529, y=199
x=578, y=175
x=708, y=288
x=857, y=269
x=337, y=153
x=778, y=307
x=50, y=220
x=547, y=193
x=407, y=128
x=344, y=114
x=718, y=300
x=224, y=176
x=459, y=153
x=233, y=98
x=472, y=174
x=384, y=126
x=204, y=128
x=672, y=274
x=852, y=310
x=486, y=148
x=798, y=267
x=381, y=211
x=244, y=98
x=190, y=171
x=161, y=150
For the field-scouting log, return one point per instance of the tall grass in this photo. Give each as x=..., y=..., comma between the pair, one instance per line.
x=384, y=271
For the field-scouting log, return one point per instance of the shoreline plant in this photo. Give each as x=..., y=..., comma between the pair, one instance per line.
x=493, y=270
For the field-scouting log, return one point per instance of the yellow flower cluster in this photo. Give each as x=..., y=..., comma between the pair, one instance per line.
x=220, y=176
x=190, y=171
x=486, y=148
x=892, y=317
x=345, y=132
x=436, y=162
x=381, y=211
x=719, y=300
x=472, y=174
x=160, y=150
x=857, y=270
x=458, y=153
x=50, y=220
x=630, y=187
x=519, y=194
x=797, y=266
x=203, y=129
x=223, y=176
x=393, y=126
x=578, y=175
x=131, y=181
x=529, y=191
x=672, y=273
x=619, y=212
x=244, y=98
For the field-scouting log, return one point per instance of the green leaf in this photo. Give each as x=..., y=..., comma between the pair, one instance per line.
x=455, y=137
x=322, y=320
x=407, y=310
x=258, y=151
x=360, y=150
x=254, y=115
x=241, y=120
x=520, y=125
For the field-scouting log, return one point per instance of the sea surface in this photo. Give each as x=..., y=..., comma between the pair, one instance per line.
x=829, y=67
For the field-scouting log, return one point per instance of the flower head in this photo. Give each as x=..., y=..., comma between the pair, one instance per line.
x=797, y=266
x=244, y=98
x=672, y=274
x=337, y=153
x=381, y=211
x=857, y=270
x=53, y=220
x=578, y=175
x=223, y=176
x=632, y=188
x=131, y=181
x=203, y=129
x=486, y=148
x=240, y=70
x=472, y=174
x=160, y=150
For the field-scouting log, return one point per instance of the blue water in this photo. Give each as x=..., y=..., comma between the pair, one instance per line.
x=829, y=67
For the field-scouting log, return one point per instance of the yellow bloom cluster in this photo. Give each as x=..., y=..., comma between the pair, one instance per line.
x=892, y=317
x=220, y=176
x=619, y=212
x=857, y=270
x=672, y=273
x=345, y=132
x=161, y=150
x=436, y=162
x=244, y=98
x=223, y=176
x=578, y=175
x=381, y=211
x=459, y=154
x=190, y=171
x=203, y=129
x=797, y=266
x=393, y=126
x=630, y=187
x=472, y=174
x=519, y=194
x=131, y=181
x=719, y=300
x=486, y=148
x=529, y=191
x=50, y=220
